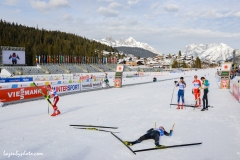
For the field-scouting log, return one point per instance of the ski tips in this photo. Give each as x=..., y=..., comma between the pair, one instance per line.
x=93, y=126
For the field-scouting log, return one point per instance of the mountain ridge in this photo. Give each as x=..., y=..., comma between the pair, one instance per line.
x=129, y=42
x=211, y=51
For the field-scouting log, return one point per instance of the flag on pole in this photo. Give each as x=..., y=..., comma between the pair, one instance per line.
x=36, y=59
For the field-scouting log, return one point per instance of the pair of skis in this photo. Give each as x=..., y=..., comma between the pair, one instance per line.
x=94, y=128
x=191, y=105
x=148, y=149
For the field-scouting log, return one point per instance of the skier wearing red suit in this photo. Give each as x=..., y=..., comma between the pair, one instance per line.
x=196, y=90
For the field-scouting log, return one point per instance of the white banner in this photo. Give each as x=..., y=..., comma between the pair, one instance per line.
x=97, y=84
x=63, y=88
x=86, y=85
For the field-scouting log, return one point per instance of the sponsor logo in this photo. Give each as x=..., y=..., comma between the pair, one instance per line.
x=73, y=87
x=67, y=88
x=5, y=86
x=87, y=85
x=97, y=84
x=37, y=79
x=24, y=85
x=22, y=93
x=26, y=79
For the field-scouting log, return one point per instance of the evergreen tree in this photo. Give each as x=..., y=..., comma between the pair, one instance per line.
x=42, y=42
x=179, y=54
x=198, y=63
x=175, y=64
x=184, y=65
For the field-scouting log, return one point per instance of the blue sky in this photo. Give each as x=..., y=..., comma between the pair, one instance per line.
x=167, y=25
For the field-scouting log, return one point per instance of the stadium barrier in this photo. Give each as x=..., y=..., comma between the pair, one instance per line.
x=218, y=79
x=235, y=88
x=19, y=94
x=67, y=84
x=20, y=79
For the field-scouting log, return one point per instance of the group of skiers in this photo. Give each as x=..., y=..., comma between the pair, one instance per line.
x=196, y=91
x=155, y=133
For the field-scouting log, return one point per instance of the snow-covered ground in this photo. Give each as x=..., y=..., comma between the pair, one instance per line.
x=27, y=127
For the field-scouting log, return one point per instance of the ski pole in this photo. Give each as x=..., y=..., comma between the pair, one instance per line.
x=48, y=103
x=172, y=95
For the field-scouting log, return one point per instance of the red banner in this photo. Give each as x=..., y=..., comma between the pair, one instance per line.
x=17, y=94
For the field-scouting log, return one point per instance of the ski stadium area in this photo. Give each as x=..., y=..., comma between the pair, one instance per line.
x=28, y=132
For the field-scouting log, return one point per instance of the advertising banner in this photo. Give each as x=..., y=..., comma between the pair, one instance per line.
x=5, y=86
x=8, y=80
x=97, y=84
x=118, y=82
x=17, y=94
x=226, y=66
x=13, y=57
x=235, y=91
x=119, y=68
x=86, y=85
x=224, y=84
x=64, y=88
x=238, y=92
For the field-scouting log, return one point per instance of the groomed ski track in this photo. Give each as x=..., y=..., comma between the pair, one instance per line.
x=133, y=109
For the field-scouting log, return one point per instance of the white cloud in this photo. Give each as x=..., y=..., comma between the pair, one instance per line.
x=67, y=17
x=132, y=2
x=171, y=8
x=212, y=14
x=11, y=2
x=115, y=5
x=155, y=5
x=106, y=12
x=237, y=14
x=105, y=0
x=18, y=11
x=52, y=4
x=133, y=22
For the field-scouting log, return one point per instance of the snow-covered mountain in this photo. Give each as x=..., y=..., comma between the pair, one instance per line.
x=212, y=52
x=130, y=42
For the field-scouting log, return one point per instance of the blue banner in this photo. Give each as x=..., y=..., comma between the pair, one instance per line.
x=8, y=80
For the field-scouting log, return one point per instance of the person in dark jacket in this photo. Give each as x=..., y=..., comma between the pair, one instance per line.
x=152, y=134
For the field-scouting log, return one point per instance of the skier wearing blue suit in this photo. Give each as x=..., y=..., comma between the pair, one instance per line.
x=152, y=134
x=181, y=85
x=14, y=57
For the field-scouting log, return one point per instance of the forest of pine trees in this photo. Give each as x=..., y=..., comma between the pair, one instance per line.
x=52, y=43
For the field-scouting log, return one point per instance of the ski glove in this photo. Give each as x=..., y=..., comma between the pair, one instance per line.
x=175, y=82
x=47, y=97
x=192, y=91
x=170, y=134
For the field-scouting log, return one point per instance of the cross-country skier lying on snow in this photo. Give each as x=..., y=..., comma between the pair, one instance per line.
x=152, y=134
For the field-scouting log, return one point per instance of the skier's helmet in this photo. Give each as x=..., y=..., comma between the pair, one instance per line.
x=161, y=127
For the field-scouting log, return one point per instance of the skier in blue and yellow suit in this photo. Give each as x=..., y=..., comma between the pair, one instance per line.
x=152, y=134
x=181, y=84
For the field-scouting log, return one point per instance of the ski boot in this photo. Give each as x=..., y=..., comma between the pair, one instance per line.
x=128, y=143
x=58, y=112
x=54, y=113
x=178, y=106
x=160, y=146
x=182, y=105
